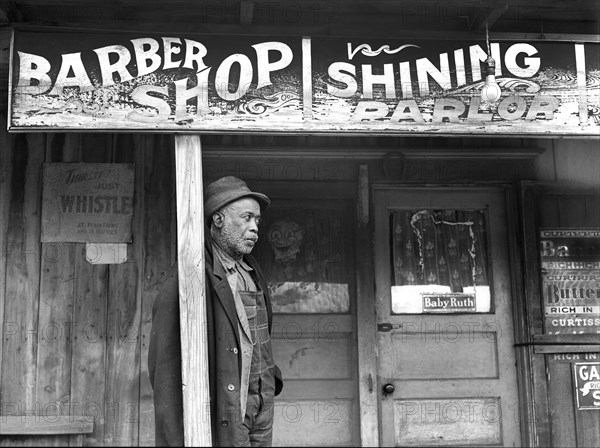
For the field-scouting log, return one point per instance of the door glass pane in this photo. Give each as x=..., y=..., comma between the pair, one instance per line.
x=305, y=256
x=439, y=262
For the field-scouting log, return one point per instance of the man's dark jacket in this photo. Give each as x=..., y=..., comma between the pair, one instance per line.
x=224, y=357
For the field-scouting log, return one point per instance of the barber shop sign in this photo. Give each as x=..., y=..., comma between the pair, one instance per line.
x=101, y=81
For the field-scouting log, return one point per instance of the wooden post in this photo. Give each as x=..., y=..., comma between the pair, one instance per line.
x=192, y=299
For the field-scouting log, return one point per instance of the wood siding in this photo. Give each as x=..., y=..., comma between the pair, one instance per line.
x=75, y=335
x=569, y=425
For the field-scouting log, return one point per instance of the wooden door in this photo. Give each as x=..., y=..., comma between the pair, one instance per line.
x=306, y=252
x=446, y=361
x=565, y=328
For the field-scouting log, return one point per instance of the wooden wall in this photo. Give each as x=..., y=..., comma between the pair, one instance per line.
x=553, y=414
x=572, y=161
x=569, y=426
x=75, y=335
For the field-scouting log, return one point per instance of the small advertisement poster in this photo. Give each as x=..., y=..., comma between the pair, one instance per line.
x=449, y=303
x=587, y=385
x=87, y=202
x=570, y=274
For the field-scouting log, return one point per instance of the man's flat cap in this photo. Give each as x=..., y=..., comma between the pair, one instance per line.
x=226, y=190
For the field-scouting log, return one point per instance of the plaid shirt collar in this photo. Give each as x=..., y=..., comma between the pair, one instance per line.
x=228, y=262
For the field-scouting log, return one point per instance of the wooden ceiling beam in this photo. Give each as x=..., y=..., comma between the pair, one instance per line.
x=341, y=32
x=10, y=12
x=487, y=15
x=246, y=12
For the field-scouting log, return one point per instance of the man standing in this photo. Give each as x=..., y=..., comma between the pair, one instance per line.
x=243, y=376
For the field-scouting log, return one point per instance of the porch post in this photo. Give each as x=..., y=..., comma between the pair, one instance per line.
x=192, y=300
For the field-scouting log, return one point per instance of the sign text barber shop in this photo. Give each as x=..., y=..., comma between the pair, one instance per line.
x=101, y=81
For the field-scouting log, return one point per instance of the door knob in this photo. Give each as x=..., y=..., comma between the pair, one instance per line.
x=389, y=388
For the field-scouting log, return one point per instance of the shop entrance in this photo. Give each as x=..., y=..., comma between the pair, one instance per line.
x=446, y=360
x=306, y=252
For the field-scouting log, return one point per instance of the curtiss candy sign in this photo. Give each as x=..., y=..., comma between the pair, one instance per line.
x=587, y=385
x=571, y=280
x=216, y=83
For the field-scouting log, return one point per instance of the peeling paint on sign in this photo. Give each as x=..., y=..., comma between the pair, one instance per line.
x=96, y=81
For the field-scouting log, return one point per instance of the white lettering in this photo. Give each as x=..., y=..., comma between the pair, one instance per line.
x=33, y=68
x=265, y=68
x=342, y=72
x=119, y=66
x=143, y=56
x=222, y=85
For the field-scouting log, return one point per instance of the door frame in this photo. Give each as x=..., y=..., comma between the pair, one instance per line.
x=540, y=344
x=367, y=320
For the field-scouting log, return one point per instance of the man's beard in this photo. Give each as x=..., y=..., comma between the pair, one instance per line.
x=234, y=245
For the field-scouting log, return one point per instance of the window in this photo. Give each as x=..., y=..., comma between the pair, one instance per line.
x=439, y=260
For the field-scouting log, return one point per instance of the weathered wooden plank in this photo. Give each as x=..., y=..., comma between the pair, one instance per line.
x=564, y=348
x=367, y=357
x=314, y=358
x=588, y=427
x=532, y=266
x=89, y=313
x=41, y=425
x=69, y=150
x=158, y=201
x=577, y=161
x=319, y=327
x=22, y=276
x=592, y=209
x=572, y=211
x=56, y=324
x=411, y=429
x=122, y=356
x=314, y=422
x=190, y=244
x=18, y=376
x=56, y=330
x=96, y=148
x=477, y=359
x=311, y=389
x=561, y=404
x=524, y=356
x=89, y=343
x=548, y=211
x=564, y=339
x=124, y=312
x=6, y=155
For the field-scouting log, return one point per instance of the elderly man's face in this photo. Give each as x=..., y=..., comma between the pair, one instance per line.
x=238, y=228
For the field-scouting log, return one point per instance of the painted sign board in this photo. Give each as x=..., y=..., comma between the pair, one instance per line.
x=587, y=385
x=570, y=357
x=106, y=253
x=216, y=83
x=570, y=274
x=87, y=202
x=419, y=299
x=449, y=303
